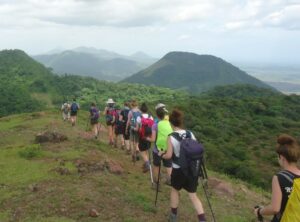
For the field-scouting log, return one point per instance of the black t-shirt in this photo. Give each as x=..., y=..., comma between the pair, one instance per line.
x=124, y=114
x=285, y=179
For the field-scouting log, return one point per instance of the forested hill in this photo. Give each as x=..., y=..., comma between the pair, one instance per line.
x=192, y=72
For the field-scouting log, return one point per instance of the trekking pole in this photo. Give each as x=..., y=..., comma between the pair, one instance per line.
x=157, y=184
x=206, y=195
x=150, y=167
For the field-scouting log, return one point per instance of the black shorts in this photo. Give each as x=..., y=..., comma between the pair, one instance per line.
x=94, y=121
x=157, y=160
x=126, y=135
x=119, y=129
x=179, y=181
x=144, y=145
x=73, y=113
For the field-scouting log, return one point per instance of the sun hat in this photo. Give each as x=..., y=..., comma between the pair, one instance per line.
x=110, y=101
x=159, y=105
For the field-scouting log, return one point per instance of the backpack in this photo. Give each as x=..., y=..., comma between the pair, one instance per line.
x=110, y=113
x=74, y=107
x=190, y=157
x=95, y=113
x=291, y=212
x=146, y=127
x=66, y=108
x=134, y=116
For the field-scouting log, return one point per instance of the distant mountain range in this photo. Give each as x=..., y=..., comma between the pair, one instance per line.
x=98, y=63
x=192, y=72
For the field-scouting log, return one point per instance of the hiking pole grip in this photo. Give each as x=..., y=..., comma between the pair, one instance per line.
x=259, y=216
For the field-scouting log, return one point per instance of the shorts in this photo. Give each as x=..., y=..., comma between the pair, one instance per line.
x=157, y=161
x=119, y=129
x=73, y=113
x=126, y=135
x=94, y=121
x=144, y=145
x=179, y=181
x=134, y=136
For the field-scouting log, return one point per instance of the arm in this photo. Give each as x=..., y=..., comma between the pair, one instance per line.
x=275, y=205
x=128, y=121
x=153, y=136
x=168, y=154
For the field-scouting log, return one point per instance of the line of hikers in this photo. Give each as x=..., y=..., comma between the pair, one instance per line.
x=181, y=155
x=137, y=129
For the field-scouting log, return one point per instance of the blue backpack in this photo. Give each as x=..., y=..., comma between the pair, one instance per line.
x=190, y=157
x=74, y=107
x=135, y=115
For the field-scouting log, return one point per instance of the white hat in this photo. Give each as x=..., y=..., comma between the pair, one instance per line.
x=161, y=105
x=110, y=101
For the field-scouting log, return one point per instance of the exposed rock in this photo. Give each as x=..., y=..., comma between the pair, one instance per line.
x=221, y=187
x=33, y=188
x=93, y=213
x=62, y=171
x=114, y=167
x=48, y=136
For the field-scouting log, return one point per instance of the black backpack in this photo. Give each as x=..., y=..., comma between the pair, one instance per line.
x=190, y=158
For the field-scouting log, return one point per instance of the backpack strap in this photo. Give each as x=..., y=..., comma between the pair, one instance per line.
x=287, y=175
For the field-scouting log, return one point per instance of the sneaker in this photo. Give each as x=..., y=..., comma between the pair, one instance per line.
x=128, y=152
x=172, y=217
x=146, y=168
x=123, y=147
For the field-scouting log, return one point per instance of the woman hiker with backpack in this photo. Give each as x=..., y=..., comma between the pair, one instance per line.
x=132, y=127
x=94, y=119
x=178, y=179
x=145, y=122
x=285, y=204
x=110, y=118
x=160, y=132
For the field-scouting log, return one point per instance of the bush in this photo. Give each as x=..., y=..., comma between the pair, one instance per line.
x=31, y=151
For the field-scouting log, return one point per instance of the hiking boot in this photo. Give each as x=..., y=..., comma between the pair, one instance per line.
x=128, y=152
x=123, y=147
x=172, y=217
x=146, y=168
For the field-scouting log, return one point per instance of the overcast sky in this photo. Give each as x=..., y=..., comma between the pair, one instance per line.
x=236, y=30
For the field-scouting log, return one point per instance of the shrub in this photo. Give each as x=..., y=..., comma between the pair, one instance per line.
x=31, y=151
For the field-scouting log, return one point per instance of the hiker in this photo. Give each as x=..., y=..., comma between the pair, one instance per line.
x=178, y=179
x=145, y=122
x=65, y=109
x=110, y=117
x=133, y=129
x=288, y=151
x=94, y=119
x=123, y=118
x=118, y=129
x=160, y=131
x=74, y=109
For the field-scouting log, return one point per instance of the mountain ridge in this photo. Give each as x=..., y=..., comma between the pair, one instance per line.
x=192, y=72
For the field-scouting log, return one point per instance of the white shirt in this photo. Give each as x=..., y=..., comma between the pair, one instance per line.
x=144, y=115
x=176, y=145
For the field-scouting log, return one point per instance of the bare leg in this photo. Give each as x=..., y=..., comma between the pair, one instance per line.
x=196, y=203
x=174, y=198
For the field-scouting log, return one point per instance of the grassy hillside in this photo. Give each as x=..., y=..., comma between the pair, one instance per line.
x=34, y=187
x=192, y=72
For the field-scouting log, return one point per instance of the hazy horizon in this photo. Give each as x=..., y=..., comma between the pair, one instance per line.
x=244, y=31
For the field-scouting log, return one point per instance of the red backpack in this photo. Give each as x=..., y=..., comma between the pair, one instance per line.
x=146, y=127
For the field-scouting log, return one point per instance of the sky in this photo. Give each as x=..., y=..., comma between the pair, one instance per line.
x=248, y=31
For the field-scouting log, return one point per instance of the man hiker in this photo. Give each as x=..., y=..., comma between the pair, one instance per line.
x=74, y=109
x=65, y=109
x=110, y=118
x=94, y=119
